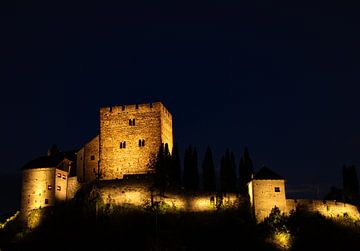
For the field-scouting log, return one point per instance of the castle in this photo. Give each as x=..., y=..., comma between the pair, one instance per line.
x=129, y=139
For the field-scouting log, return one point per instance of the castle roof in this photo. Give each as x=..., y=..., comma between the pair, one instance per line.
x=49, y=161
x=267, y=174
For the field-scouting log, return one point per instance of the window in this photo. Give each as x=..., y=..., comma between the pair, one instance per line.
x=136, y=106
x=141, y=142
x=122, y=144
x=46, y=201
x=49, y=187
x=92, y=157
x=277, y=189
x=131, y=122
x=123, y=108
x=64, y=177
x=59, y=175
x=58, y=188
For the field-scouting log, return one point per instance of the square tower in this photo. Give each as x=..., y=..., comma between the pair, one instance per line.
x=130, y=136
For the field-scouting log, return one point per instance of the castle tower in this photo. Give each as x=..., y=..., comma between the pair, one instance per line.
x=130, y=137
x=267, y=190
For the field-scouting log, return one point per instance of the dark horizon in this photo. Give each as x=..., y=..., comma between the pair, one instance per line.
x=280, y=78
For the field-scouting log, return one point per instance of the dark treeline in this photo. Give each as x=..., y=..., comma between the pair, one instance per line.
x=349, y=193
x=172, y=173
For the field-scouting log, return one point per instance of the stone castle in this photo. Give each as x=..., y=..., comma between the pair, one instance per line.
x=129, y=139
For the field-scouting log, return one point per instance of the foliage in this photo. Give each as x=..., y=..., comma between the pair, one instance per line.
x=191, y=175
x=208, y=168
x=245, y=171
x=228, y=172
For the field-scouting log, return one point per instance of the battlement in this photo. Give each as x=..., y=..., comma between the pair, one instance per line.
x=135, y=108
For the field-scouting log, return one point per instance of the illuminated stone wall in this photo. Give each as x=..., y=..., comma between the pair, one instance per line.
x=150, y=123
x=325, y=208
x=138, y=194
x=265, y=195
x=60, y=184
x=38, y=188
x=87, y=161
x=72, y=187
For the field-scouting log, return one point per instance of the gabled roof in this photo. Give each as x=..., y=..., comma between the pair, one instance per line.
x=266, y=174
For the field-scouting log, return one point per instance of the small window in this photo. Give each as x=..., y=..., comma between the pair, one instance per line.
x=59, y=175
x=64, y=177
x=277, y=189
x=136, y=106
x=123, y=108
x=58, y=188
x=143, y=142
x=92, y=157
x=133, y=122
x=122, y=145
x=46, y=201
x=139, y=142
x=49, y=187
x=130, y=122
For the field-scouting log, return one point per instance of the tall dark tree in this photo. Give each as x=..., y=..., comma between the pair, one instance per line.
x=191, y=175
x=351, y=185
x=161, y=164
x=208, y=169
x=175, y=168
x=245, y=171
x=227, y=172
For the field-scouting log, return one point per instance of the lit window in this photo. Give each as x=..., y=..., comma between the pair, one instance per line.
x=277, y=189
x=92, y=157
x=64, y=177
x=49, y=187
x=46, y=201
x=59, y=175
x=58, y=188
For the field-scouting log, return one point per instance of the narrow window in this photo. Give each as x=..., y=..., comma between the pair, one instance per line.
x=121, y=145
x=46, y=201
x=92, y=157
x=133, y=122
x=58, y=188
x=124, y=144
x=130, y=122
x=49, y=187
x=64, y=177
x=59, y=175
x=277, y=189
x=143, y=142
x=123, y=108
x=136, y=106
x=139, y=142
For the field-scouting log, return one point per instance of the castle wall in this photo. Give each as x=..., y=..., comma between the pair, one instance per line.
x=325, y=208
x=152, y=123
x=265, y=195
x=87, y=161
x=72, y=187
x=38, y=188
x=60, y=184
x=138, y=194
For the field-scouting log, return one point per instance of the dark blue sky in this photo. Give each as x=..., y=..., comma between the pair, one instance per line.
x=281, y=78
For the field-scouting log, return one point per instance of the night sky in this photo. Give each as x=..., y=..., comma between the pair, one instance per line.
x=281, y=78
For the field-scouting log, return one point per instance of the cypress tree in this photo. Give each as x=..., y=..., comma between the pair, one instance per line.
x=191, y=175
x=175, y=168
x=245, y=171
x=227, y=172
x=208, y=168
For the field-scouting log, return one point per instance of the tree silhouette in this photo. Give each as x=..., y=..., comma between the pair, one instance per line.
x=245, y=171
x=208, y=171
x=191, y=175
x=175, y=168
x=350, y=184
x=227, y=172
x=162, y=164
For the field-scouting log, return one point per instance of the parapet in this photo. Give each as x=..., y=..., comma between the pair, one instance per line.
x=145, y=107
